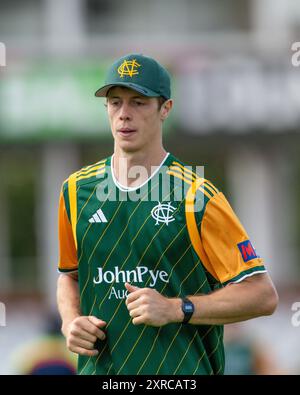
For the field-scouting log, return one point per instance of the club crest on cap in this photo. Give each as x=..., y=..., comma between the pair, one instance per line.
x=129, y=67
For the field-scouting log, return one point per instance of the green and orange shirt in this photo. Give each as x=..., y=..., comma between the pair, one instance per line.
x=176, y=233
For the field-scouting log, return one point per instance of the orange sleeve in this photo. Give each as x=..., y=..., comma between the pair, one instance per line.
x=67, y=249
x=226, y=243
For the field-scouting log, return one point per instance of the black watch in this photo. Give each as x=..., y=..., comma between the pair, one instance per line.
x=188, y=309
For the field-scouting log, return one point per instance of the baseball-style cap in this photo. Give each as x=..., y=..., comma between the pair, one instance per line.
x=140, y=73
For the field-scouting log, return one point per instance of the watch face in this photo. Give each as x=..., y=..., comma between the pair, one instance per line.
x=188, y=308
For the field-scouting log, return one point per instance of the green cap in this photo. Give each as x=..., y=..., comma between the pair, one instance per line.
x=140, y=73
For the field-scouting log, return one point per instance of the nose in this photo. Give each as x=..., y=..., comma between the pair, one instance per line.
x=124, y=114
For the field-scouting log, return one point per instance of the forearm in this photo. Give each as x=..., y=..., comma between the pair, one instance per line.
x=67, y=300
x=233, y=303
x=225, y=306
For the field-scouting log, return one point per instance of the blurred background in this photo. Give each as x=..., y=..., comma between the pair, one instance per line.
x=236, y=86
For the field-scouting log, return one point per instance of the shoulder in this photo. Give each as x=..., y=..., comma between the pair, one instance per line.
x=86, y=174
x=196, y=185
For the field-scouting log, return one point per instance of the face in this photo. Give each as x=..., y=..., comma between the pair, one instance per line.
x=135, y=120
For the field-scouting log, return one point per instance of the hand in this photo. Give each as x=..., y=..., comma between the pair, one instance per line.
x=82, y=333
x=149, y=307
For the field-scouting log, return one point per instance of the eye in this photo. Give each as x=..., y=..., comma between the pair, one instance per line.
x=139, y=103
x=114, y=103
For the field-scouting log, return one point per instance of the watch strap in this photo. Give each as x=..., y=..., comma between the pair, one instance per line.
x=188, y=309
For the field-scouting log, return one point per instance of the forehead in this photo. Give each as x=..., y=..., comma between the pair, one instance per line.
x=120, y=91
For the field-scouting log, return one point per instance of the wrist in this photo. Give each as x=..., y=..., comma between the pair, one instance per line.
x=176, y=313
x=65, y=328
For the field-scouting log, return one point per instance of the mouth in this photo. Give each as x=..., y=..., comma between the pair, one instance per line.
x=126, y=131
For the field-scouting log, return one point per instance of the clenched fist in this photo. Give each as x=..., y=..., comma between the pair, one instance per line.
x=147, y=306
x=82, y=333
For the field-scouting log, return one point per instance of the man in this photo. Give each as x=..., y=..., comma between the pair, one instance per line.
x=150, y=275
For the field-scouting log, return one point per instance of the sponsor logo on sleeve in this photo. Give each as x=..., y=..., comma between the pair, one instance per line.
x=247, y=251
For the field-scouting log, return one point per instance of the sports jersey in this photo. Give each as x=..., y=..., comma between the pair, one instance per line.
x=175, y=233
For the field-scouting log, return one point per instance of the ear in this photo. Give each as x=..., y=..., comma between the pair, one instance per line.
x=165, y=109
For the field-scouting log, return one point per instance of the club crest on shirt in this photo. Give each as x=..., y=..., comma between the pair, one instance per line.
x=163, y=213
x=247, y=251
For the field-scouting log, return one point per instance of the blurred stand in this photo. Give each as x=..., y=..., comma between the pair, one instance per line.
x=245, y=355
x=46, y=354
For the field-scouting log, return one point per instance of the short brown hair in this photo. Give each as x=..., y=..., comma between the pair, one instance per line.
x=161, y=100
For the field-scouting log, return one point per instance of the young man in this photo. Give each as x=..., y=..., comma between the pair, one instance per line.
x=153, y=259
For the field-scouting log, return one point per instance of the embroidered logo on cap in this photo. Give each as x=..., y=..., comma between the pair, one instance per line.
x=247, y=250
x=129, y=67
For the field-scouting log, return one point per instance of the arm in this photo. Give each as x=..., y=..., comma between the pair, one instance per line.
x=81, y=332
x=253, y=297
x=67, y=299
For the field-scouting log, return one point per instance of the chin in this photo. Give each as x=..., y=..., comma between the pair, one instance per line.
x=129, y=147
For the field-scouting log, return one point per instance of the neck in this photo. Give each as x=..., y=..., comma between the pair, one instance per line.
x=124, y=162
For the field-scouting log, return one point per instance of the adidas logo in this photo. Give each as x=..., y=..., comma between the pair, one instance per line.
x=98, y=217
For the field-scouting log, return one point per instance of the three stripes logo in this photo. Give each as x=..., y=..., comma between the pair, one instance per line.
x=98, y=217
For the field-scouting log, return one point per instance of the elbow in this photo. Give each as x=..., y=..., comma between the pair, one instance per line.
x=271, y=300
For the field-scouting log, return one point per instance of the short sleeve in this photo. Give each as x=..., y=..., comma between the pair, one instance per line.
x=226, y=243
x=67, y=250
